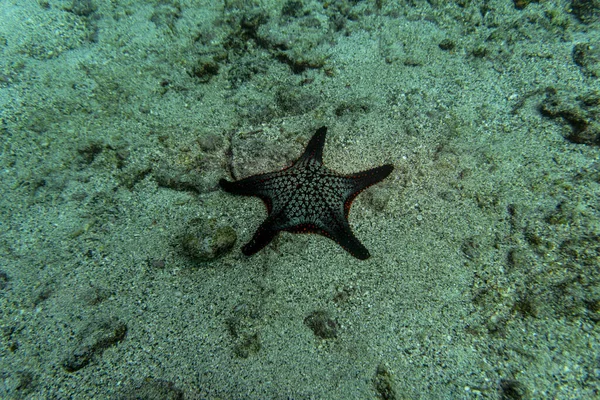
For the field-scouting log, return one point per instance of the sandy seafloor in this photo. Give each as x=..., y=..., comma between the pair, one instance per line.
x=118, y=119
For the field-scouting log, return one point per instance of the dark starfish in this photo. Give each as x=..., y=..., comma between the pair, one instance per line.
x=308, y=197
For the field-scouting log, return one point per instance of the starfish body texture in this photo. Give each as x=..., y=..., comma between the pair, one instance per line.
x=307, y=197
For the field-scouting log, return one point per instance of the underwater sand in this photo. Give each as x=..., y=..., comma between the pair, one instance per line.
x=119, y=118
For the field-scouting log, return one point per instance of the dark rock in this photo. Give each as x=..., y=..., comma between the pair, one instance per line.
x=248, y=346
x=512, y=390
x=587, y=56
x=383, y=383
x=521, y=4
x=447, y=45
x=204, y=69
x=90, y=150
x=587, y=11
x=322, y=324
x=579, y=112
x=3, y=280
x=93, y=339
x=292, y=8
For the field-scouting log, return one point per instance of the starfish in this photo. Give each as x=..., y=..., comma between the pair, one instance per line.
x=307, y=197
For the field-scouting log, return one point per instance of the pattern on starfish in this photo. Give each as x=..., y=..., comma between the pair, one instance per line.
x=308, y=197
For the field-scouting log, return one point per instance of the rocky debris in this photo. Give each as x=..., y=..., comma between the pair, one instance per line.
x=321, y=323
x=98, y=335
x=580, y=112
x=587, y=57
x=587, y=11
x=383, y=383
x=207, y=239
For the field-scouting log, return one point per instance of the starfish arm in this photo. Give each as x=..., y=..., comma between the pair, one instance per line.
x=359, y=181
x=362, y=180
x=314, y=148
x=342, y=234
x=229, y=187
x=262, y=237
x=250, y=186
x=247, y=189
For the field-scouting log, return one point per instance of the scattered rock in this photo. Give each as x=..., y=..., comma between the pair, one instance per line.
x=587, y=11
x=242, y=326
x=293, y=9
x=3, y=280
x=587, y=56
x=206, y=239
x=322, y=324
x=521, y=4
x=248, y=346
x=204, y=69
x=190, y=170
x=383, y=383
x=447, y=45
x=93, y=339
x=511, y=389
x=22, y=382
x=580, y=112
